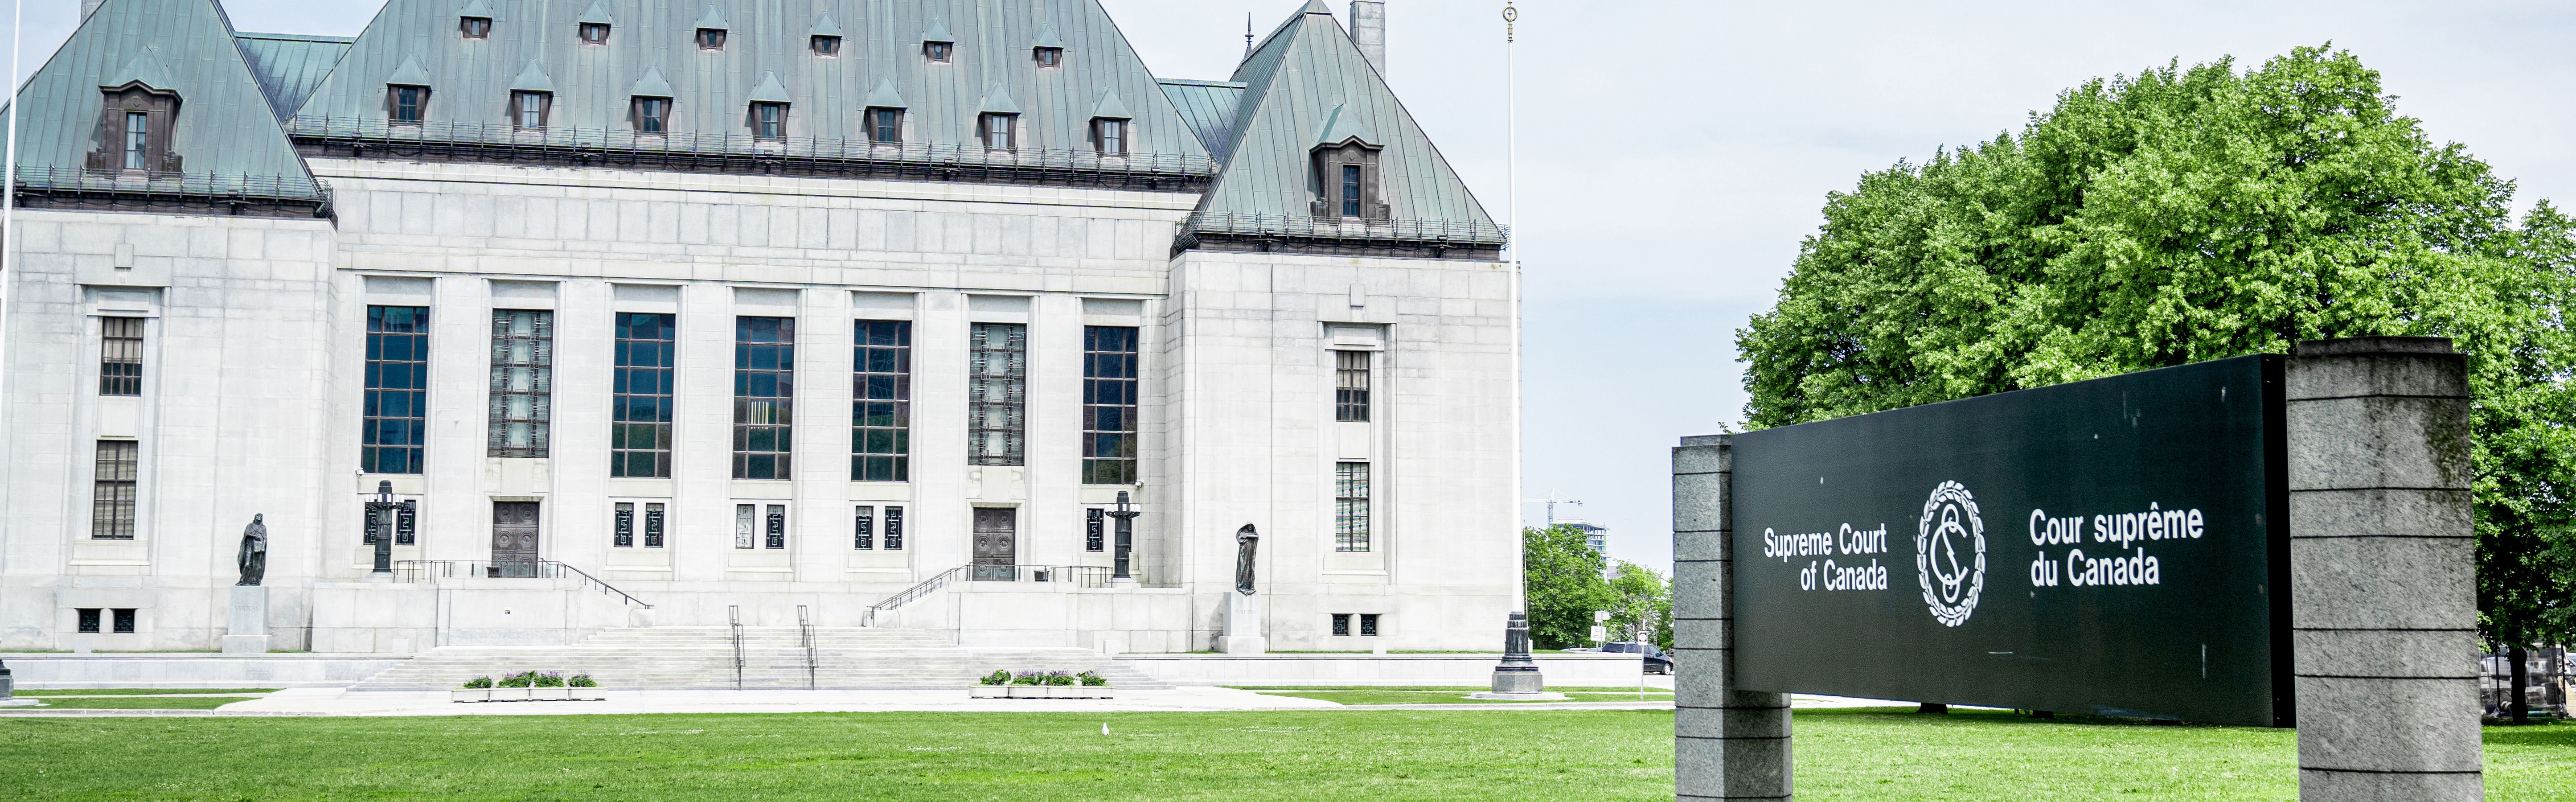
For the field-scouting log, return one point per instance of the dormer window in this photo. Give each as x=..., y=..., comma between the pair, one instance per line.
x=769, y=121
x=134, y=130
x=138, y=140
x=407, y=105
x=711, y=39
x=528, y=110
x=652, y=115
x=1109, y=136
x=885, y=126
x=594, y=33
x=1050, y=56
x=938, y=52
x=827, y=46
x=1347, y=179
x=999, y=131
x=474, y=27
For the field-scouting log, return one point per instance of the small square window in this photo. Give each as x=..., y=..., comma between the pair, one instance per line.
x=652, y=526
x=711, y=38
x=1341, y=623
x=528, y=110
x=827, y=46
x=863, y=526
x=594, y=33
x=769, y=121
x=622, y=527
x=885, y=126
x=1050, y=56
x=89, y=620
x=474, y=27
x=1368, y=624
x=409, y=104
x=1109, y=135
x=938, y=51
x=999, y=131
x=652, y=115
x=125, y=620
x=894, y=528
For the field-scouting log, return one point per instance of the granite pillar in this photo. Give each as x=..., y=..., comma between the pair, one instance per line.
x=2383, y=614
x=248, y=630
x=1728, y=743
x=1242, y=626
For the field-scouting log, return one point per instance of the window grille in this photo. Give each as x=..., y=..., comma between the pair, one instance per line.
x=881, y=405
x=764, y=390
x=776, y=527
x=396, y=418
x=885, y=126
x=742, y=524
x=1341, y=623
x=1351, y=507
x=769, y=120
x=138, y=140
x=1109, y=390
x=409, y=104
x=624, y=526
x=654, y=520
x=1368, y=624
x=89, y=617
x=863, y=524
x=894, y=528
x=120, y=356
x=474, y=27
x=124, y=620
x=639, y=429
x=1351, y=386
x=827, y=46
x=997, y=394
x=523, y=357
x=1094, y=524
x=112, y=491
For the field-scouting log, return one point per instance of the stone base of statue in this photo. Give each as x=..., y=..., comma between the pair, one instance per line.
x=1516, y=678
x=1242, y=626
x=248, y=630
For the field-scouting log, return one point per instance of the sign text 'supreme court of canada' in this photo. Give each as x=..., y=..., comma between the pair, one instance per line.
x=2106, y=547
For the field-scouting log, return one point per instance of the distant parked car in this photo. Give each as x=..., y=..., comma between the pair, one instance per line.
x=1657, y=662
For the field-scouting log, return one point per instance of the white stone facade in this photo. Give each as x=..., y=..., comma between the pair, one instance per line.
x=254, y=381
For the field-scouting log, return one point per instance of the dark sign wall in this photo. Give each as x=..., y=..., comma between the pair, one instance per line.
x=2103, y=547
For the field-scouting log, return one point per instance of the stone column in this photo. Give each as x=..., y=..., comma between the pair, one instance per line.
x=2382, y=609
x=1729, y=744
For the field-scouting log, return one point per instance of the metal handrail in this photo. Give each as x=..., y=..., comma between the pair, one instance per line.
x=910, y=595
x=431, y=571
x=178, y=184
x=806, y=626
x=379, y=132
x=1462, y=232
x=734, y=613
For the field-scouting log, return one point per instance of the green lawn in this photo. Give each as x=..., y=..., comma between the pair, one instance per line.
x=142, y=702
x=1374, y=696
x=1288, y=755
x=137, y=691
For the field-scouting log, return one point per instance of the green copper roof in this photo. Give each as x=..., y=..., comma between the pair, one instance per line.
x=712, y=19
x=880, y=57
x=652, y=84
x=409, y=74
x=289, y=66
x=226, y=133
x=1208, y=107
x=1308, y=83
x=826, y=26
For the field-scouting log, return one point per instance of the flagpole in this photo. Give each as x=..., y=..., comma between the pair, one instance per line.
x=1512, y=219
x=9, y=214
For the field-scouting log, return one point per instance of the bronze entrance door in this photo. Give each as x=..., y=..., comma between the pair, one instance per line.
x=997, y=547
x=514, y=539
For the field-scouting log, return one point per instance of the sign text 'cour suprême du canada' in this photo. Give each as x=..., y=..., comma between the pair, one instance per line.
x=2115, y=546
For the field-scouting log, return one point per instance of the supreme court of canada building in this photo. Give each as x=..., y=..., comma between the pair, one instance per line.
x=880, y=308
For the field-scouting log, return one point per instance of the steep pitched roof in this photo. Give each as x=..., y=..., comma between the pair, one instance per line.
x=226, y=133
x=1306, y=85
x=1208, y=107
x=881, y=48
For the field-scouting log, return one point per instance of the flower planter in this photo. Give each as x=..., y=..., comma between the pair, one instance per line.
x=1027, y=691
x=470, y=695
x=989, y=692
x=588, y=694
x=556, y=694
x=510, y=694
x=1087, y=692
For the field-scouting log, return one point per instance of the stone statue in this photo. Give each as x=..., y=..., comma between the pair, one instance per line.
x=254, y=551
x=1246, y=541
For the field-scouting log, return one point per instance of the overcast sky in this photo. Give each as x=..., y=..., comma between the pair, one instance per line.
x=1674, y=152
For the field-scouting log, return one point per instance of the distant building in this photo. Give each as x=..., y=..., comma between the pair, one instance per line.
x=1595, y=536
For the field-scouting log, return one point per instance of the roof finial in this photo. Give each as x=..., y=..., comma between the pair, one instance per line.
x=1247, y=34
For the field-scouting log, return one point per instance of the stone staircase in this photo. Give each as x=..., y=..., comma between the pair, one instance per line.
x=773, y=659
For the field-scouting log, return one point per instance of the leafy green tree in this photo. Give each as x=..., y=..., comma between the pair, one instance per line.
x=2192, y=214
x=1565, y=587
x=1644, y=606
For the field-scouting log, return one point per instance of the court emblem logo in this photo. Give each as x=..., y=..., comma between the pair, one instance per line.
x=1950, y=554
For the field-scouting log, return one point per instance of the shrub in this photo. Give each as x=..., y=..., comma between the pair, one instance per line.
x=1060, y=678
x=1092, y=679
x=998, y=677
x=1029, y=678
x=550, y=679
x=524, y=679
x=582, y=681
x=478, y=683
